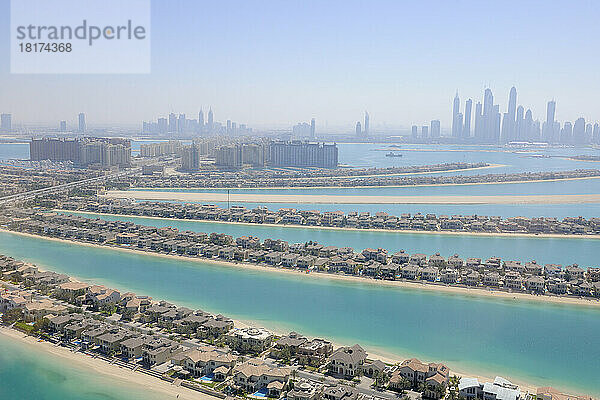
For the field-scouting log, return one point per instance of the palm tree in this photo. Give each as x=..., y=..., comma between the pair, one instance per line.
x=453, y=387
x=381, y=378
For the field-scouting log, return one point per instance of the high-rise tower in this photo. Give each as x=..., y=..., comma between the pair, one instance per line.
x=456, y=124
x=467, y=123
x=548, y=128
x=81, y=126
x=210, y=125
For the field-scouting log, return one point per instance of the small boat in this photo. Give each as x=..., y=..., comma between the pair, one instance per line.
x=392, y=154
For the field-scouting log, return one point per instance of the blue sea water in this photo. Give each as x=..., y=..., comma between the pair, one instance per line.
x=19, y=151
x=534, y=342
x=27, y=372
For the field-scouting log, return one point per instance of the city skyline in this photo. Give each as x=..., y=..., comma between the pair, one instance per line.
x=491, y=124
x=313, y=65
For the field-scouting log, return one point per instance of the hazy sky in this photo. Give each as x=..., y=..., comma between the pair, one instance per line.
x=278, y=62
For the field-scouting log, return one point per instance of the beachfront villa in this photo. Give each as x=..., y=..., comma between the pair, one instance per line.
x=132, y=348
x=204, y=361
x=256, y=375
x=500, y=389
x=347, y=362
x=305, y=389
x=38, y=309
x=288, y=345
x=249, y=339
x=433, y=376
x=159, y=350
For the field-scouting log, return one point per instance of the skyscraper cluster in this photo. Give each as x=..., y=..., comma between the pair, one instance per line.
x=175, y=125
x=487, y=119
x=516, y=124
x=578, y=132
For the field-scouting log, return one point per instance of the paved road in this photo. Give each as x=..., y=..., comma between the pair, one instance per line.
x=363, y=387
x=66, y=186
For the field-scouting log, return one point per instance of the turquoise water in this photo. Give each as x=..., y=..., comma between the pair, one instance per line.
x=502, y=210
x=530, y=341
x=544, y=250
x=29, y=373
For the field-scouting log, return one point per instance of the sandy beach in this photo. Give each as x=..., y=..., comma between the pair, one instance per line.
x=335, y=199
x=398, y=231
x=120, y=374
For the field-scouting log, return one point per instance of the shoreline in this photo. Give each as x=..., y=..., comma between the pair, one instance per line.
x=123, y=375
x=420, y=285
x=362, y=187
x=374, y=351
x=403, y=231
x=159, y=386
x=351, y=199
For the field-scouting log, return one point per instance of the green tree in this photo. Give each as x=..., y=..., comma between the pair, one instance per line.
x=381, y=378
x=285, y=354
x=453, y=393
x=13, y=315
x=41, y=325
